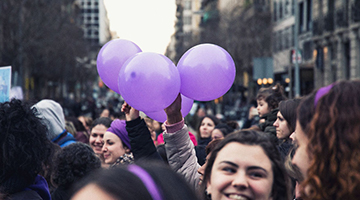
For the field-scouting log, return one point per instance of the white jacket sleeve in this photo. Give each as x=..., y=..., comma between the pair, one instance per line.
x=181, y=155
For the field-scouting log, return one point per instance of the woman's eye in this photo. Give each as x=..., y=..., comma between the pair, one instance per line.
x=229, y=169
x=257, y=174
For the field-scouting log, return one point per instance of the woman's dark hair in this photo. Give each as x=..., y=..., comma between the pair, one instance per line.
x=211, y=146
x=288, y=110
x=212, y=117
x=79, y=126
x=122, y=183
x=106, y=121
x=334, y=135
x=88, y=120
x=271, y=95
x=281, y=185
x=24, y=146
x=72, y=163
x=224, y=128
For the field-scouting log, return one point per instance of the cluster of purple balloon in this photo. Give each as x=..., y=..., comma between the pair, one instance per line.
x=150, y=82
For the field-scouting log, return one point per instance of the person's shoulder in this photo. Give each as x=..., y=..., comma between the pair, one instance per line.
x=25, y=195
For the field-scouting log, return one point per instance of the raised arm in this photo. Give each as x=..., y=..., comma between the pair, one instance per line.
x=179, y=148
x=142, y=146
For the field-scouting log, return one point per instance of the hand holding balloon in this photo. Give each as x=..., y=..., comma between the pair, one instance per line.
x=160, y=116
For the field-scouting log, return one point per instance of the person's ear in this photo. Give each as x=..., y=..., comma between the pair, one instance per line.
x=208, y=188
x=127, y=150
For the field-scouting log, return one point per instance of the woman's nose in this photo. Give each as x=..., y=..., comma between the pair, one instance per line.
x=240, y=181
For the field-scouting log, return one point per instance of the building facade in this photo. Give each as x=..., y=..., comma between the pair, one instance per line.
x=336, y=38
x=187, y=30
x=95, y=22
x=284, y=38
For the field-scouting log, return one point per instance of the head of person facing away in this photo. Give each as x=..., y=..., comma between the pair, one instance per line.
x=143, y=181
x=52, y=116
x=24, y=146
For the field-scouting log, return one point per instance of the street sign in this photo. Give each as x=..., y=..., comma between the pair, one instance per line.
x=293, y=56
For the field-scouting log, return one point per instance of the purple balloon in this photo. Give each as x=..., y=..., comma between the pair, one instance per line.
x=207, y=72
x=160, y=116
x=149, y=82
x=111, y=58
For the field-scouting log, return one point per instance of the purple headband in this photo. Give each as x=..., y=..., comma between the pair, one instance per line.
x=118, y=128
x=147, y=180
x=321, y=92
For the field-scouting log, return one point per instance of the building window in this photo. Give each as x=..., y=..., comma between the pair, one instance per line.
x=307, y=53
x=280, y=10
x=286, y=7
x=187, y=5
x=347, y=60
x=89, y=18
x=275, y=13
x=96, y=32
x=333, y=72
x=96, y=10
x=89, y=3
x=96, y=18
x=301, y=16
x=187, y=20
x=308, y=16
x=292, y=35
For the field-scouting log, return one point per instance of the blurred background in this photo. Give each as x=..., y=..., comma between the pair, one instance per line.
x=52, y=46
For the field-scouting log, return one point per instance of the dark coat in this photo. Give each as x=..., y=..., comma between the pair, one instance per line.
x=142, y=146
x=267, y=126
x=25, y=195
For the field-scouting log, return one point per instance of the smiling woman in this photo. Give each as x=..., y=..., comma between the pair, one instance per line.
x=117, y=149
x=149, y=24
x=246, y=165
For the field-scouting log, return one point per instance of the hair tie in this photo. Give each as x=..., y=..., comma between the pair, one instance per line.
x=321, y=92
x=147, y=180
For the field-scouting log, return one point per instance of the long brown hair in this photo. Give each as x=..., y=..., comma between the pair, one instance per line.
x=334, y=142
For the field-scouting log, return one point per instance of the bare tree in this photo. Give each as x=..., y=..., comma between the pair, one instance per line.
x=41, y=40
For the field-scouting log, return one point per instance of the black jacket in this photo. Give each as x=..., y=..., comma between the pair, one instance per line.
x=142, y=146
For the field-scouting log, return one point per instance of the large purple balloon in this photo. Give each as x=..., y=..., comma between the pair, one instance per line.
x=207, y=72
x=160, y=116
x=111, y=58
x=149, y=82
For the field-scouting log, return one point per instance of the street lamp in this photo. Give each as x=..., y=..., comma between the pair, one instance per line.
x=265, y=81
x=287, y=80
x=270, y=81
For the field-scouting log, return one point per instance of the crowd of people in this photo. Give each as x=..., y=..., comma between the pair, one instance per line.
x=300, y=148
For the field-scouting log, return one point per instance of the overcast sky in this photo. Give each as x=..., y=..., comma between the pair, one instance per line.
x=148, y=23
